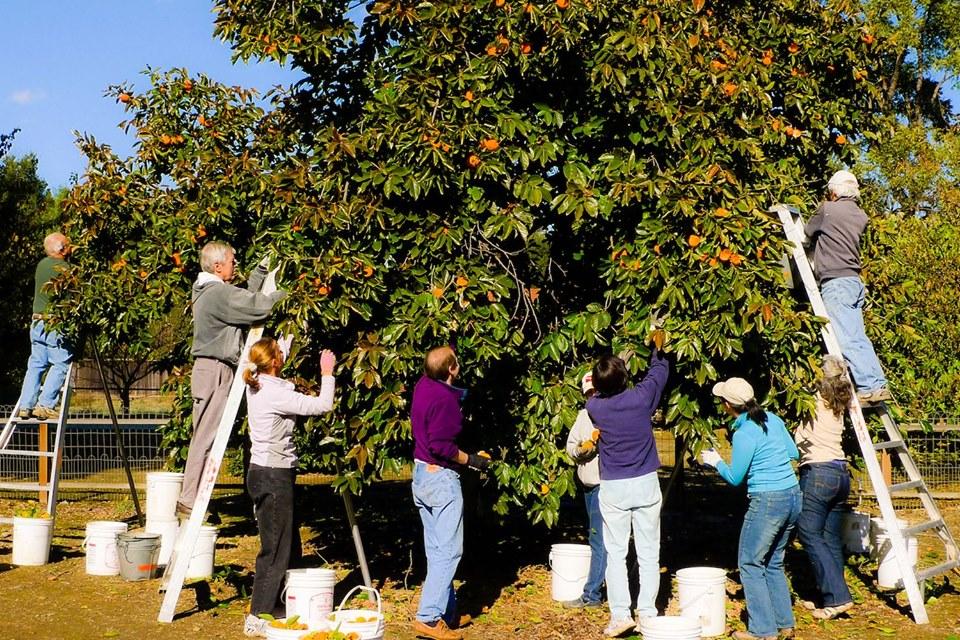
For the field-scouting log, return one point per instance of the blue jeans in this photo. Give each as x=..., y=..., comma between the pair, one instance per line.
x=825, y=488
x=767, y=524
x=843, y=298
x=439, y=498
x=47, y=351
x=636, y=502
x=598, y=555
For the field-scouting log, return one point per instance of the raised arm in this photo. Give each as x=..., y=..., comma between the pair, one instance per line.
x=653, y=383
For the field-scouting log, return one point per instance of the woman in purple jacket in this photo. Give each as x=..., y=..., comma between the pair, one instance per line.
x=629, y=487
x=436, y=421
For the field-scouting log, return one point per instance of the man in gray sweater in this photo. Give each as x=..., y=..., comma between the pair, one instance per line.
x=221, y=312
x=835, y=230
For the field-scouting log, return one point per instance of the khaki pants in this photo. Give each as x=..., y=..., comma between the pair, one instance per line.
x=210, y=383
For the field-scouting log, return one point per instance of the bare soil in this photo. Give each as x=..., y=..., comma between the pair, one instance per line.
x=504, y=582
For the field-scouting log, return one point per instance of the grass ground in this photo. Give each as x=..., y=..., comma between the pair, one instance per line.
x=504, y=581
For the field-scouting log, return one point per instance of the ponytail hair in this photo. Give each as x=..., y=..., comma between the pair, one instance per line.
x=262, y=355
x=754, y=411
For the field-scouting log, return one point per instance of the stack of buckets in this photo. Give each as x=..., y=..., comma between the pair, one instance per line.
x=163, y=491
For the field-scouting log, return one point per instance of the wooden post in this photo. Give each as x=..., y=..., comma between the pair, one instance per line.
x=43, y=471
x=886, y=467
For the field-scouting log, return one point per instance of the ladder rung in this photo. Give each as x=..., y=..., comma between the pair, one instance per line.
x=890, y=444
x=6, y=520
x=24, y=452
x=923, y=574
x=35, y=421
x=24, y=486
x=923, y=526
x=906, y=486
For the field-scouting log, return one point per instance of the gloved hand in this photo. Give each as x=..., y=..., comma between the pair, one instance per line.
x=479, y=461
x=264, y=264
x=270, y=281
x=710, y=457
x=285, y=343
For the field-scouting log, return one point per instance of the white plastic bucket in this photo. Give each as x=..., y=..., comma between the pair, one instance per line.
x=703, y=598
x=367, y=624
x=855, y=532
x=279, y=633
x=309, y=594
x=877, y=527
x=201, y=562
x=669, y=628
x=570, y=567
x=100, y=544
x=163, y=491
x=888, y=573
x=167, y=529
x=31, y=540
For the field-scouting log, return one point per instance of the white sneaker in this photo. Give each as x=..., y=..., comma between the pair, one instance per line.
x=254, y=627
x=619, y=627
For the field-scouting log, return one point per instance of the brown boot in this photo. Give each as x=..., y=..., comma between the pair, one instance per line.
x=440, y=631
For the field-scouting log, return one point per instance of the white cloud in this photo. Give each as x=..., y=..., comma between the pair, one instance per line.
x=27, y=96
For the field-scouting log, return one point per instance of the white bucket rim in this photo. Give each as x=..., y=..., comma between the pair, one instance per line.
x=702, y=573
x=571, y=549
x=164, y=474
x=106, y=525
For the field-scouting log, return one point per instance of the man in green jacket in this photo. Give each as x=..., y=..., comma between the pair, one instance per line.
x=221, y=312
x=47, y=350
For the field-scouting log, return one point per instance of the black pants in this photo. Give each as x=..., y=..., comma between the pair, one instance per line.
x=271, y=490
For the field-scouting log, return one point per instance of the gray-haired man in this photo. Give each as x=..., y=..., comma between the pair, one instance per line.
x=221, y=312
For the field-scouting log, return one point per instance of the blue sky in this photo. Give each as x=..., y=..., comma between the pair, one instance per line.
x=60, y=56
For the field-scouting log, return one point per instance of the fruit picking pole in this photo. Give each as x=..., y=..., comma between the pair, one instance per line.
x=357, y=542
x=116, y=431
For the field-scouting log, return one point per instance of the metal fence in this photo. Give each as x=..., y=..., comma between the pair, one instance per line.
x=91, y=460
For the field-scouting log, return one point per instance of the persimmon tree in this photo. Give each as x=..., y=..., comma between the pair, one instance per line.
x=537, y=179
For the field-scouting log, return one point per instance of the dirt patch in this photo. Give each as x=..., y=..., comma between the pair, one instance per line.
x=505, y=583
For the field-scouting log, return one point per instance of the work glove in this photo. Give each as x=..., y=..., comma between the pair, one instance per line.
x=285, y=343
x=710, y=457
x=479, y=461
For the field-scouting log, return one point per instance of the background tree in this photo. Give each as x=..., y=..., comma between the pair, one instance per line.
x=534, y=178
x=27, y=214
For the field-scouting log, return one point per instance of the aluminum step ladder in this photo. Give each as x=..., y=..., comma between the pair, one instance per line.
x=914, y=487
x=48, y=461
x=176, y=570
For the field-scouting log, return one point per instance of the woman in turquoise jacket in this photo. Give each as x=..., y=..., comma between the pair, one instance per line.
x=762, y=454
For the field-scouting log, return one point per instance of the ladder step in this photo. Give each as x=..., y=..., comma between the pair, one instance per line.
x=890, y=444
x=923, y=526
x=906, y=486
x=949, y=565
x=24, y=486
x=24, y=452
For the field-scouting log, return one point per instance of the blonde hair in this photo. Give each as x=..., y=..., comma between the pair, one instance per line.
x=262, y=355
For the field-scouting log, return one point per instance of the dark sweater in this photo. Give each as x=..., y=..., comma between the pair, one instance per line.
x=436, y=421
x=835, y=229
x=48, y=269
x=627, y=447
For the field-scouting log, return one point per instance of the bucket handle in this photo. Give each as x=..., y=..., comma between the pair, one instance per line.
x=560, y=573
x=122, y=546
x=360, y=587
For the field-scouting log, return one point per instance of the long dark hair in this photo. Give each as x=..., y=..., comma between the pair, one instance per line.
x=834, y=387
x=754, y=411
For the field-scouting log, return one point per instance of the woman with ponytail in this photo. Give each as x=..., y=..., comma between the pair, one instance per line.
x=825, y=483
x=272, y=408
x=762, y=453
